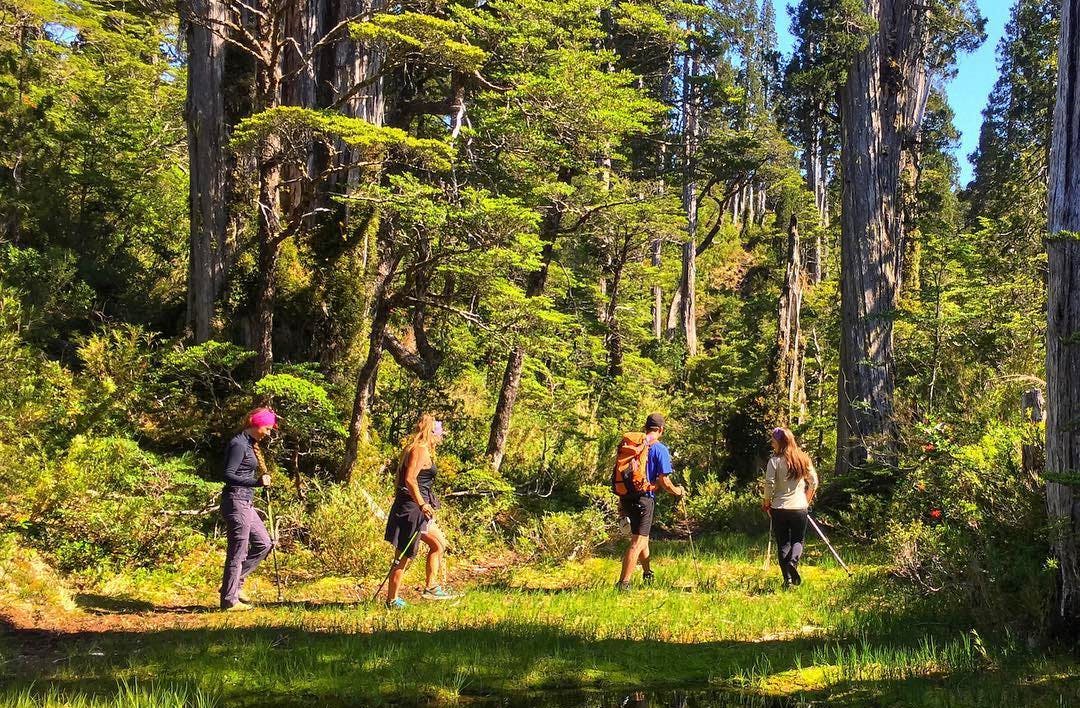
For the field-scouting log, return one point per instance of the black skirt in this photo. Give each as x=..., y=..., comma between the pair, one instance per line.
x=405, y=523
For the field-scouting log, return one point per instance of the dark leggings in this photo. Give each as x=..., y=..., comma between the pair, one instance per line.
x=789, y=527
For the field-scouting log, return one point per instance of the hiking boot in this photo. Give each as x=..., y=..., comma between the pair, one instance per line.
x=647, y=577
x=396, y=604
x=621, y=586
x=437, y=593
x=237, y=606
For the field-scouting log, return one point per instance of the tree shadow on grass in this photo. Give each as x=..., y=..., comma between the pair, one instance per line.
x=511, y=663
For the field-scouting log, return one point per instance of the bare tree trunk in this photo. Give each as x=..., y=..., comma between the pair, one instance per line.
x=365, y=380
x=657, y=292
x=881, y=107
x=614, y=340
x=789, y=341
x=207, y=162
x=814, y=163
x=265, y=280
x=511, y=383
x=688, y=282
x=1063, y=322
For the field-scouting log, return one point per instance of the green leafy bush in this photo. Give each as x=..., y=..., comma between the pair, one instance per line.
x=713, y=505
x=345, y=530
x=562, y=536
x=106, y=502
x=968, y=520
x=311, y=432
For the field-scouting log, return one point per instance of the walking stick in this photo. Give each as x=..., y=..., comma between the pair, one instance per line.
x=273, y=541
x=395, y=565
x=835, y=554
x=690, y=536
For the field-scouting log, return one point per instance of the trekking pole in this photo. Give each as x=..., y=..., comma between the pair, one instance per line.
x=690, y=536
x=274, y=541
x=394, y=565
x=835, y=554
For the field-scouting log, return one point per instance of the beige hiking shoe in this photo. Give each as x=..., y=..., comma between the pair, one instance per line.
x=238, y=607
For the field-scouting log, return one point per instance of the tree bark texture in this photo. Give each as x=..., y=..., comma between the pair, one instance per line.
x=790, y=344
x=881, y=105
x=365, y=380
x=208, y=164
x=688, y=282
x=1063, y=326
x=511, y=382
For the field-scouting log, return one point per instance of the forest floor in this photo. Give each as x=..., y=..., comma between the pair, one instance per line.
x=715, y=624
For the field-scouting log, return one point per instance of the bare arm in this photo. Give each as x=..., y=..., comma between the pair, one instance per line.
x=413, y=464
x=664, y=482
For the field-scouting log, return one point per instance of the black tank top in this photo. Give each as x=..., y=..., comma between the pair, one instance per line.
x=425, y=479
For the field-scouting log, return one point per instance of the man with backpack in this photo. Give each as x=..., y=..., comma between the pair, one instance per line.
x=642, y=465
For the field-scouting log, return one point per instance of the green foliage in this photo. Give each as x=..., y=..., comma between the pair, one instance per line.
x=562, y=536
x=346, y=531
x=718, y=506
x=293, y=130
x=310, y=424
x=968, y=519
x=107, y=503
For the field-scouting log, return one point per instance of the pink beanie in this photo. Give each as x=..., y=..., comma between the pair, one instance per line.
x=262, y=417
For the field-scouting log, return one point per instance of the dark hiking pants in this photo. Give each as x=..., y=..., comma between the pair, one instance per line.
x=248, y=544
x=789, y=527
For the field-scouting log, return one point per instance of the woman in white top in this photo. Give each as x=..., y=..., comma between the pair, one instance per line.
x=790, y=483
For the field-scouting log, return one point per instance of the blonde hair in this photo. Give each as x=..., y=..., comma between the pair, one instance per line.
x=423, y=435
x=798, y=462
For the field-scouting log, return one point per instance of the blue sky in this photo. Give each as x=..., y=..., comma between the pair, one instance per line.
x=968, y=92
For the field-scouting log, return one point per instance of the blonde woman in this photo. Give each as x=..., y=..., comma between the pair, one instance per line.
x=790, y=484
x=412, y=514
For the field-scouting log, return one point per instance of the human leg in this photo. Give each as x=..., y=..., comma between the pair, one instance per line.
x=259, y=544
x=436, y=544
x=781, y=523
x=798, y=536
x=236, y=515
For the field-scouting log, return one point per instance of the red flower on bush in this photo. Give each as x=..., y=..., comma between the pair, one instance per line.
x=929, y=447
x=935, y=513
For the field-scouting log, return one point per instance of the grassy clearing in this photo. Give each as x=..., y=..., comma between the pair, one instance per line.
x=713, y=619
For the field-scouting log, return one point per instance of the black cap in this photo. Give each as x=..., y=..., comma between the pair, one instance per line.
x=655, y=421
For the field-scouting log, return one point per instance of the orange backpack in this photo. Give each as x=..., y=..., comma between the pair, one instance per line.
x=630, y=476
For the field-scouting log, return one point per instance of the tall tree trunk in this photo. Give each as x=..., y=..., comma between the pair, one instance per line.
x=790, y=344
x=881, y=107
x=688, y=281
x=817, y=181
x=613, y=339
x=511, y=382
x=208, y=163
x=269, y=228
x=657, y=292
x=1063, y=323
x=365, y=380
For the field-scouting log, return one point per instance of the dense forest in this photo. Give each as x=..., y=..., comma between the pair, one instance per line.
x=541, y=220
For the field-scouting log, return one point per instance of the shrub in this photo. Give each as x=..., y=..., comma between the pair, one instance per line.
x=562, y=536
x=345, y=530
x=107, y=502
x=713, y=505
x=311, y=430
x=479, y=508
x=967, y=520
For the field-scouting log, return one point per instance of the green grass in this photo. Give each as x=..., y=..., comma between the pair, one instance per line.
x=714, y=619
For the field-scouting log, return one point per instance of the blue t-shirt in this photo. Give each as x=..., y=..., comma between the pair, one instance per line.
x=659, y=462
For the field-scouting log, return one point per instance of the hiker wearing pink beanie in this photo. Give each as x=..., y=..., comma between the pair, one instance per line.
x=248, y=541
